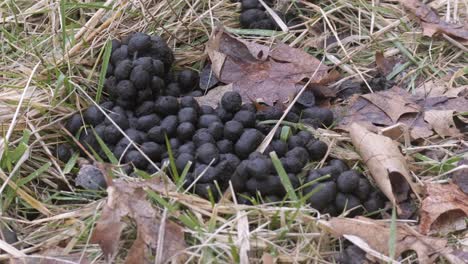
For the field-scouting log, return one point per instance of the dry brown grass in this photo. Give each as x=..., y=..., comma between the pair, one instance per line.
x=49, y=63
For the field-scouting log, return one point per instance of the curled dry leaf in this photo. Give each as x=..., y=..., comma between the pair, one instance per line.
x=421, y=115
x=259, y=72
x=431, y=22
x=386, y=164
x=128, y=199
x=376, y=235
x=444, y=209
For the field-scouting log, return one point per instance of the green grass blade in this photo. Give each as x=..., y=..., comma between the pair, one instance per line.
x=393, y=235
x=283, y=176
x=171, y=160
x=102, y=74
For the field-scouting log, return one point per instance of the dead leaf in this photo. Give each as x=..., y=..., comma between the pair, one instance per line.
x=128, y=199
x=394, y=106
x=207, y=78
x=384, y=65
x=460, y=177
x=444, y=209
x=260, y=72
x=442, y=122
x=376, y=234
x=386, y=164
x=431, y=22
x=53, y=255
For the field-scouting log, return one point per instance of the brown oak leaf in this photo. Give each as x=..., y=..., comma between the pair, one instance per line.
x=444, y=209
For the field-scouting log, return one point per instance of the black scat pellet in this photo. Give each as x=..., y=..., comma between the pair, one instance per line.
x=167, y=105
x=182, y=161
x=124, y=103
x=189, y=101
x=110, y=87
x=292, y=117
x=206, y=110
x=140, y=77
x=216, y=129
x=187, y=114
x=344, y=202
x=250, y=4
x=136, y=136
x=152, y=150
x=74, y=123
x=224, y=146
x=232, y=160
x=324, y=194
x=188, y=80
x=185, y=131
x=188, y=147
x=109, y=70
x=374, y=203
x=280, y=147
x=307, y=99
x=175, y=144
x=146, y=63
x=146, y=122
x=248, y=142
x=317, y=149
x=339, y=164
x=173, y=89
x=115, y=43
x=231, y=102
x=250, y=16
x=206, y=120
x=305, y=135
x=208, y=173
x=224, y=114
x=139, y=42
x=202, y=136
x=259, y=168
x=123, y=69
x=266, y=23
x=363, y=190
x=120, y=119
x=112, y=134
x=239, y=178
x=246, y=118
x=207, y=152
x=157, y=85
x=233, y=130
x=146, y=108
x=157, y=134
x=325, y=116
x=333, y=171
x=88, y=140
x=133, y=122
x=119, y=54
x=348, y=181
x=296, y=141
x=300, y=154
x=291, y=164
x=270, y=113
x=204, y=190
x=170, y=123
x=135, y=158
x=158, y=68
x=252, y=186
x=107, y=105
x=126, y=90
x=64, y=152
x=160, y=50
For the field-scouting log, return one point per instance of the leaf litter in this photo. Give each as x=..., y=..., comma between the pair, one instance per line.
x=444, y=209
x=372, y=236
x=432, y=24
x=386, y=164
x=422, y=116
x=262, y=73
x=129, y=199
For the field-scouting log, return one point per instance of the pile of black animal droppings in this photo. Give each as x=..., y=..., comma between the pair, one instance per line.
x=254, y=16
x=220, y=142
x=336, y=189
x=139, y=71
